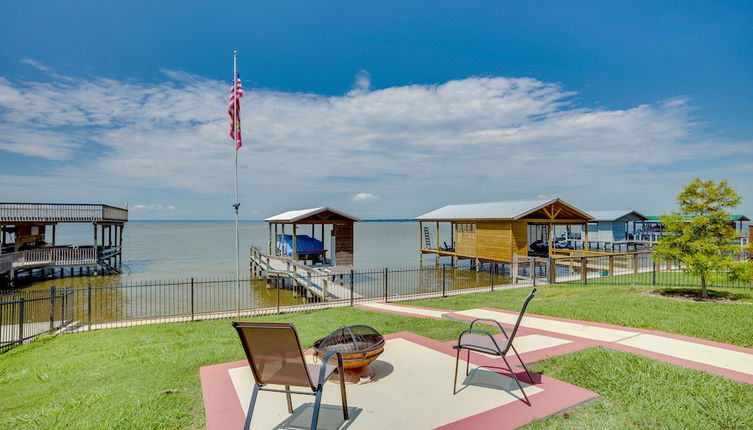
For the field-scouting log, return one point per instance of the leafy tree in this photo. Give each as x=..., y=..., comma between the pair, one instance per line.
x=702, y=237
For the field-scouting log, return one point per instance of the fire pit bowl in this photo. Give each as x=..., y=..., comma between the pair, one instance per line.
x=359, y=345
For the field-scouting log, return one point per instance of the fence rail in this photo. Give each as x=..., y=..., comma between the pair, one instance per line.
x=26, y=314
x=61, y=212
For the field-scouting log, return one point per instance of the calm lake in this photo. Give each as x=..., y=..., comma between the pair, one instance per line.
x=181, y=250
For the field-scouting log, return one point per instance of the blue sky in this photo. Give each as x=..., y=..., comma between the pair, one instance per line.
x=385, y=109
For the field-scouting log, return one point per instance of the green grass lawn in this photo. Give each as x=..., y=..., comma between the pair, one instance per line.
x=634, y=306
x=148, y=377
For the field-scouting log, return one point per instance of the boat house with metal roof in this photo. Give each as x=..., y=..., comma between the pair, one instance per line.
x=497, y=231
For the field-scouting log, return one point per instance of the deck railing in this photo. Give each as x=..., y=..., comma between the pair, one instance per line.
x=61, y=212
x=47, y=257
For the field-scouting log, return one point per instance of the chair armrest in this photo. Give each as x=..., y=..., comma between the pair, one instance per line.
x=491, y=320
x=326, y=359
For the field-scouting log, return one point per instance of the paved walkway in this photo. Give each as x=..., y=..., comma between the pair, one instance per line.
x=733, y=362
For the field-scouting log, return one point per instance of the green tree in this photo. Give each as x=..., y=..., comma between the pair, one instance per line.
x=702, y=238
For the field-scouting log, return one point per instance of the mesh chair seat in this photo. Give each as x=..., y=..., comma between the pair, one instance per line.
x=314, y=372
x=482, y=343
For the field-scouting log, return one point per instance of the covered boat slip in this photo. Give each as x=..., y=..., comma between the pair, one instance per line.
x=496, y=232
x=305, y=259
x=307, y=220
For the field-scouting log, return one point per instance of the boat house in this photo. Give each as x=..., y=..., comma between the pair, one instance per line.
x=614, y=228
x=28, y=242
x=497, y=231
x=299, y=245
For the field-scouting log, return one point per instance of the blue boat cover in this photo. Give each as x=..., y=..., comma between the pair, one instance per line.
x=305, y=245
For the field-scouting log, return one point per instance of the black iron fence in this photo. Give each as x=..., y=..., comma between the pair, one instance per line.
x=25, y=315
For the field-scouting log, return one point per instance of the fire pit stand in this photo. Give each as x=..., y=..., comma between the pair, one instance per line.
x=359, y=345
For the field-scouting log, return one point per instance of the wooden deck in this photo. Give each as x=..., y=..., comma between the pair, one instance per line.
x=316, y=280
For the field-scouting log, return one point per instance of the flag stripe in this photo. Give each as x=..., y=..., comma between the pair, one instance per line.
x=234, y=108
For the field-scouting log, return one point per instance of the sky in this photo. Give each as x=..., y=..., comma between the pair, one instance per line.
x=380, y=109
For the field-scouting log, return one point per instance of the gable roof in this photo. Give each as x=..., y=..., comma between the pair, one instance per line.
x=614, y=215
x=511, y=209
x=297, y=215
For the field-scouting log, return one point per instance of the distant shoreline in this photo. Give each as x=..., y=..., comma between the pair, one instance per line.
x=254, y=220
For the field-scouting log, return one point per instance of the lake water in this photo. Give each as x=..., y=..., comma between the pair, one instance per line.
x=181, y=250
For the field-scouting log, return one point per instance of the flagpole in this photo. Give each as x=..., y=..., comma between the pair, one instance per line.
x=237, y=204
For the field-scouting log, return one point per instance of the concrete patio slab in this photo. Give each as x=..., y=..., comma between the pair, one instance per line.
x=412, y=390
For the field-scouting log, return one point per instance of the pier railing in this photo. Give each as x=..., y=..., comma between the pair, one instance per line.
x=56, y=257
x=61, y=212
x=109, y=304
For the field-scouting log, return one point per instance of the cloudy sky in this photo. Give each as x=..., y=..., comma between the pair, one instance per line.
x=382, y=110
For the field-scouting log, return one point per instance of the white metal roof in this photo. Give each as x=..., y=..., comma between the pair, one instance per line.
x=293, y=216
x=511, y=209
x=614, y=215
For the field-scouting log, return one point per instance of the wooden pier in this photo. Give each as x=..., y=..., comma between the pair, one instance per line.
x=28, y=239
x=320, y=282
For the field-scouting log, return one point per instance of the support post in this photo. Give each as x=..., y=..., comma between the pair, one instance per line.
x=437, y=243
x=515, y=268
x=533, y=270
x=270, y=238
x=275, y=243
x=295, y=242
x=420, y=242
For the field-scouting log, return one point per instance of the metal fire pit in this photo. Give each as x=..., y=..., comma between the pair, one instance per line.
x=359, y=345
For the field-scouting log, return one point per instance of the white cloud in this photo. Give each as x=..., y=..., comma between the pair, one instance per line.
x=153, y=208
x=473, y=139
x=365, y=198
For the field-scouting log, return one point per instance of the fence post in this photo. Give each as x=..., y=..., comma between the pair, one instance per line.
x=611, y=266
x=89, y=307
x=653, y=275
x=192, y=300
x=444, y=281
x=514, y=269
x=385, y=284
x=551, y=267
x=21, y=321
x=277, y=283
x=52, y=307
x=584, y=270
x=635, y=263
x=352, y=288
x=494, y=270
x=533, y=270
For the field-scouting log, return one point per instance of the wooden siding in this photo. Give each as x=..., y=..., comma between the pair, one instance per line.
x=520, y=238
x=343, y=244
x=465, y=241
x=493, y=241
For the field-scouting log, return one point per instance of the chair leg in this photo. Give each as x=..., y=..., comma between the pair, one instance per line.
x=530, y=378
x=516, y=380
x=290, y=401
x=455, y=380
x=468, y=363
x=344, y=397
x=247, y=424
x=317, y=405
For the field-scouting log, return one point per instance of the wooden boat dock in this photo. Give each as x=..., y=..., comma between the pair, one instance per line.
x=320, y=282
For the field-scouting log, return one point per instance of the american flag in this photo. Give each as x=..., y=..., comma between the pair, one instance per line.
x=234, y=108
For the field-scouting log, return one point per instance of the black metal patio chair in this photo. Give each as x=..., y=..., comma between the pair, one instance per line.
x=275, y=356
x=482, y=341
